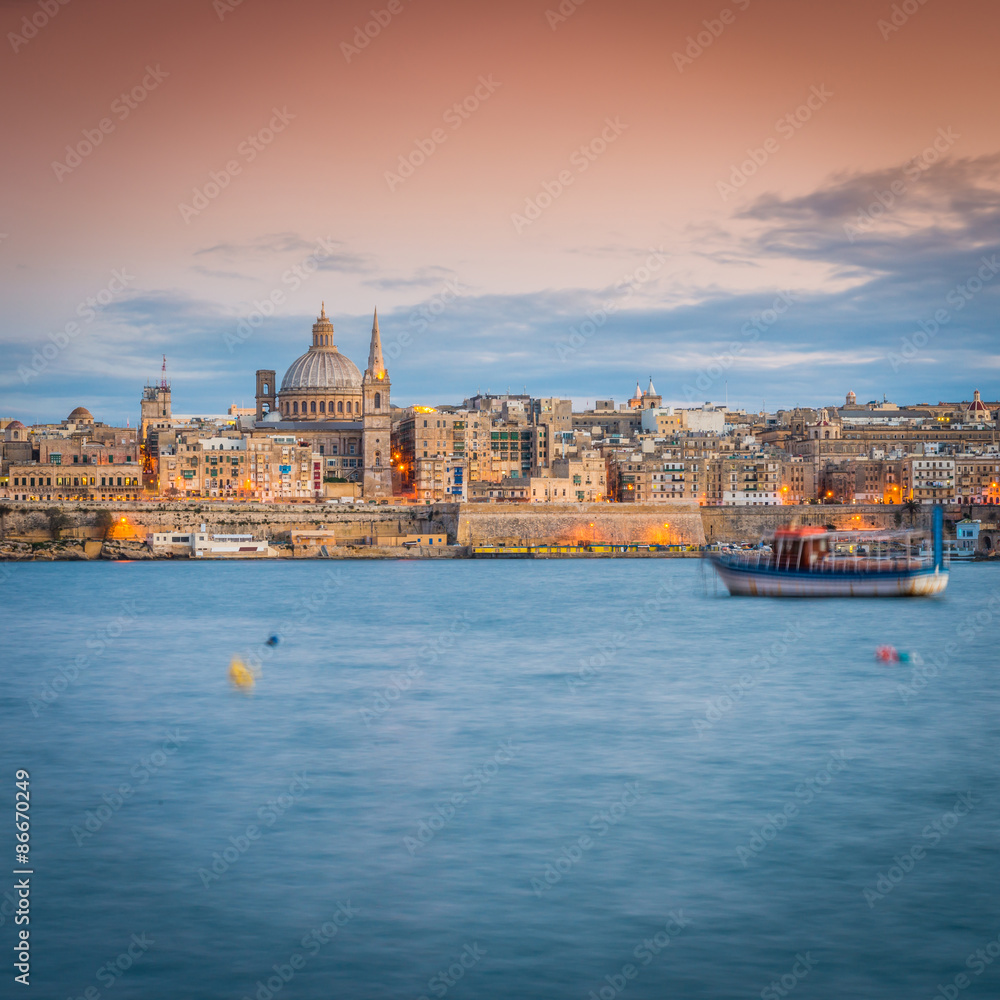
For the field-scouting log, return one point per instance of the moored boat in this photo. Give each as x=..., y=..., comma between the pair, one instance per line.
x=805, y=562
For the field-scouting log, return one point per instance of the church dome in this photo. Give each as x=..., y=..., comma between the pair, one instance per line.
x=81, y=415
x=977, y=404
x=322, y=366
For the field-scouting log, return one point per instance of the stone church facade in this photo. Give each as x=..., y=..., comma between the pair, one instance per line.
x=324, y=399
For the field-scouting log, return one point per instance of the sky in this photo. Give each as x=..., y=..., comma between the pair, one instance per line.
x=765, y=202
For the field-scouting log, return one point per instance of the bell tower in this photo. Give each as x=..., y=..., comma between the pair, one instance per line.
x=376, y=422
x=266, y=393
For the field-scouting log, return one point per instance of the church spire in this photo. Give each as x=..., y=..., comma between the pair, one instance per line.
x=376, y=363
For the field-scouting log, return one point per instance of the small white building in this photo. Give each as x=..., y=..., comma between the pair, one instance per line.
x=201, y=545
x=966, y=539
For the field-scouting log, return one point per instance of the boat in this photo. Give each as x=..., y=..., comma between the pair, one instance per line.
x=811, y=561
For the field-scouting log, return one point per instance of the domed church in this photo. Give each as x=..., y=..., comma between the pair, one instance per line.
x=327, y=401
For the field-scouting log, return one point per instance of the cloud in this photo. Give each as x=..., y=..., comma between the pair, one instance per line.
x=920, y=260
x=271, y=245
x=423, y=277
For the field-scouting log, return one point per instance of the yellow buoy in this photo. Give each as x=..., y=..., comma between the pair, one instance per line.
x=240, y=674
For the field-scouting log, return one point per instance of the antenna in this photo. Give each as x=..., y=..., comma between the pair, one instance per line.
x=164, y=384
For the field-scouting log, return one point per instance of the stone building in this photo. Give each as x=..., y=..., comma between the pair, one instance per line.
x=325, y=402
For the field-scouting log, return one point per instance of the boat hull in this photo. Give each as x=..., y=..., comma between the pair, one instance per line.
x=761, y=582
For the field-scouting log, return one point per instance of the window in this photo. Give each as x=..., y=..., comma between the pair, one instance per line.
x=378, y=400
x=76, y=459
x=312, y=406
x=295, y=407
x=340, y=407
x=351, y=449
x=322, y=407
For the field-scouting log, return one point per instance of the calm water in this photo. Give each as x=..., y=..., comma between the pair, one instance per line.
x=496, y=763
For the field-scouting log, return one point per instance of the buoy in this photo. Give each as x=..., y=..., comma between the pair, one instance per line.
x=889, y=654
x=272, y=640
x=240, y=674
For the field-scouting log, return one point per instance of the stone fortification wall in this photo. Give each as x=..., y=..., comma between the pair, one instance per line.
x=673, y=522
x=752, y=524
x=677, y=522
x=31, y=522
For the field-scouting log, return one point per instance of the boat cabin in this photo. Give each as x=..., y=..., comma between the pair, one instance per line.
x=801, y=549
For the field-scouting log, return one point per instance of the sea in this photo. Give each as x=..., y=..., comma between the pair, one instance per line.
x=497, y=779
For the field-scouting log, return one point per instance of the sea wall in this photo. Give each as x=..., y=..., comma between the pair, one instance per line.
x=27, y=528
x=135, y=521
x=671, y=522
